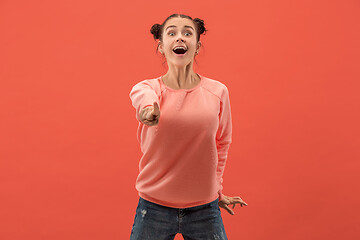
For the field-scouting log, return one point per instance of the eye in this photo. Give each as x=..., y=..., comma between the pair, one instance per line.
x=170, y=33
x=189, y=33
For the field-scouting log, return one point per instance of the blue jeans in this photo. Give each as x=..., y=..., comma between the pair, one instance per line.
x=157, y=222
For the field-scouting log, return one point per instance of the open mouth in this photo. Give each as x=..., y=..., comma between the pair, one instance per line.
x=179, y=50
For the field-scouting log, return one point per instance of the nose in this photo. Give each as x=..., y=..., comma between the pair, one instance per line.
x=179, y=40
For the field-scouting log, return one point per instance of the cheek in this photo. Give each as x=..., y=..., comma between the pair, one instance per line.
x=167, y=47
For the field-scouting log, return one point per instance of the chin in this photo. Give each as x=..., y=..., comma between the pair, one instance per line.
x=180, y=61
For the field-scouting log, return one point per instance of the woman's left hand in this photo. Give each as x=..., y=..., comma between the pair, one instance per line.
x=231, y=200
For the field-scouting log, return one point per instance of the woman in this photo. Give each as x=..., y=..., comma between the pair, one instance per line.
x=185, y=147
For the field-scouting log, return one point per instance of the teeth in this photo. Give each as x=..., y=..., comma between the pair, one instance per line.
x=180, y=48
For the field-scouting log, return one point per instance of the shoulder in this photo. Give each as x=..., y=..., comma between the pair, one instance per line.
x=216, y=87
x=149, y=83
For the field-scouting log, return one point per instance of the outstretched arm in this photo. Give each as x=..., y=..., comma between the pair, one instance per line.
x=143, y=96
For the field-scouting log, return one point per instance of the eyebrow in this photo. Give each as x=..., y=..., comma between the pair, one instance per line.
x=187, y=26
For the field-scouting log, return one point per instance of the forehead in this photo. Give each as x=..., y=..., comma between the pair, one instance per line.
x=179, y=22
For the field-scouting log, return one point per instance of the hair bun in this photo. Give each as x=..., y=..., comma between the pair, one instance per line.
x=155, y=30
x=200, y=24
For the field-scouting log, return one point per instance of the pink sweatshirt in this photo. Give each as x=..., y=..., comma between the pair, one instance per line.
x=184, y=155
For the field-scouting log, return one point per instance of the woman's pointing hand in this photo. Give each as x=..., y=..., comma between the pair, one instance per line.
x=150, y=115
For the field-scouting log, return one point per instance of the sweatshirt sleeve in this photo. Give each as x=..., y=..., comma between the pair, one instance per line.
x=223, y=137
x=143, y=95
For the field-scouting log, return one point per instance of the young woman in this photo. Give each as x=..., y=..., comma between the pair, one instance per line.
x=184, y=131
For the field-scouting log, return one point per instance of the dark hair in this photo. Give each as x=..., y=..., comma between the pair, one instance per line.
x=157, y=29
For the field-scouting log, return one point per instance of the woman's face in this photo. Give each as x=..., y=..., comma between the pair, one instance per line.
x=179, y=32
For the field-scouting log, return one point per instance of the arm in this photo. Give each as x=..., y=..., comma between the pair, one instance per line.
x=223, y=137
x=142, y=95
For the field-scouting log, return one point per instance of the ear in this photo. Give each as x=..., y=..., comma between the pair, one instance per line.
x=198, y=46
x=160, y=46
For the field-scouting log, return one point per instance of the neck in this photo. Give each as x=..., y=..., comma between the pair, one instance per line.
x=181, y=77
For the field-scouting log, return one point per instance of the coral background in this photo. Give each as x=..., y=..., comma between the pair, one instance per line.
x=68, y=149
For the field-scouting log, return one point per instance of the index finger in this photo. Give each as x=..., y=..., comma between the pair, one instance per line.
x=156, y=108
